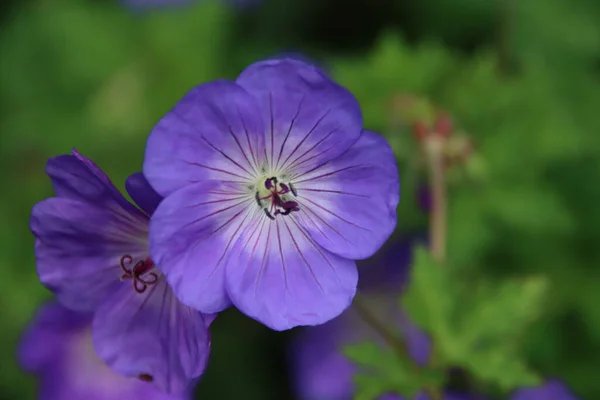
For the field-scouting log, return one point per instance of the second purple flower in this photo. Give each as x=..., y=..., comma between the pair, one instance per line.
x=272, y=190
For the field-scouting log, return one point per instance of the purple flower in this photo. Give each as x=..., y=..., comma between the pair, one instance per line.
x=321, y=371
x=272, y=190
x=424, y=198
x=551, y=390
x=57, y=348
x=92, y=251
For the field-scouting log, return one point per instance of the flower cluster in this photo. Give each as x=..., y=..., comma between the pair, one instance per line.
x=258, y=193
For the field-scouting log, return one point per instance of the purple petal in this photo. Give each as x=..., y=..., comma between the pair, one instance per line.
x=57, y=348
x=142, y=193
x=79, y=248
x=152, y=335
x=43, y=341
x=214, y=132
x=551, y=390
x=349, y=204
x=79, y=178
x=320, y=369
x=279, y=276
x=191, y=233
x=309, y=118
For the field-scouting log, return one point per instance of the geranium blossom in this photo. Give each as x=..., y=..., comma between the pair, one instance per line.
x=92, y=251
x=57, y=349
x=272, y=189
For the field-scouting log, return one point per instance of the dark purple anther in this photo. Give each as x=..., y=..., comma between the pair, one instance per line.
x=257, y=197
x=293, y=189
x=284, y=188
x=140, y=283
x=269, y=214
x=270, y=183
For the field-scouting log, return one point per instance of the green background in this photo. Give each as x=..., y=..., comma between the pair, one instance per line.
x=522, y=78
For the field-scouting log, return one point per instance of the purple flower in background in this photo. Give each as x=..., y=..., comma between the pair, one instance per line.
x=551, y=390
x=92, y=251
x=424, y=200
x=57, y=348
x=321, y=371
x=272, y=190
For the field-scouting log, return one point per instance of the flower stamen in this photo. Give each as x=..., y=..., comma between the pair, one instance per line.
x=276, y=192
x=140, y=283
x=146, y=377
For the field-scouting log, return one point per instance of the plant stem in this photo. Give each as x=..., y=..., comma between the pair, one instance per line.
x=394, y=341
x=397, y=344
x=437, y=185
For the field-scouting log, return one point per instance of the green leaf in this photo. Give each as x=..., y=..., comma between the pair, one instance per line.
x=382, y=371
x=477, y=326
x=429, y=300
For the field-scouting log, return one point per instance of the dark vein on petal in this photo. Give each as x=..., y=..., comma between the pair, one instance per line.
x=272, y=127
x=317, y=155
x=334, y=192
x=248, y=139
x=281, y=255
x=296, y=163
x=215, y=169
x=289, y=131
x=307, y=208
x=263, y=261
x=329, y=173
x=306, y=137
x=162, y=305
x=318, y=248
x=167, y=325
x=302, y=254
x=215, y=213
x=216, y=201
x=244, y=182
x=142, y=304
x=225, y=193
x=233, y=235
x=262, y=225
x=226, y=156
x=241, y=149
x=335, y=215
x=231, y=238
x=234, y=136
x=315, y=224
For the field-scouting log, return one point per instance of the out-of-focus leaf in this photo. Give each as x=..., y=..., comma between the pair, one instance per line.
x=383, y=370
x=477, y=325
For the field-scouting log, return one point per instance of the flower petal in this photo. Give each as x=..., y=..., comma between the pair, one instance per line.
x=279, y=276
x=142, y=193
x=79, y=248
x=309, y=118
x=152, y=336
x=79, y=178
x=349, y=204
x=552, y=389
x=214, y=132
x=190, y=235
x=43, y=341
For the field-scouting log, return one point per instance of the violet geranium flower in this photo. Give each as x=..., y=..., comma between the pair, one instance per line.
x=272, y=190
x=57, y=349
x=320, y=370
x=91, y=250
x=551, y=390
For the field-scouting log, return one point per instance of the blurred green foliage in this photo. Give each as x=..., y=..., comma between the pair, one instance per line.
x=521, y=78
